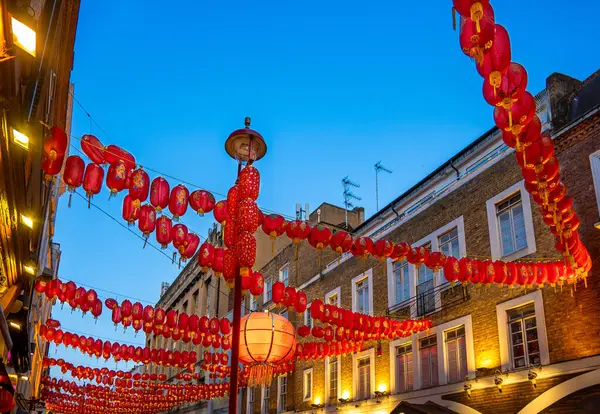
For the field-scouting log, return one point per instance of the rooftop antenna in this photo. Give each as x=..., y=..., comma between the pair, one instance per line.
x=378, y=169
x=349, y=195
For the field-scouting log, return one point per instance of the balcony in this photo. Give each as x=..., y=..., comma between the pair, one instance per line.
x=430, y=301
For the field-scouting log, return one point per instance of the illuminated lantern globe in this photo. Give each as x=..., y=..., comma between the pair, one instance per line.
x=93, y=148
x=202, y=201
x=266, y=340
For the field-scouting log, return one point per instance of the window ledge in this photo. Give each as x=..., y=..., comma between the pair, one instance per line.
x=525, y=251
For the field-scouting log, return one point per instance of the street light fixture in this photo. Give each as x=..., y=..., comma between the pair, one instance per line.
x=29, y=269
x=23, y=36
x=26, y=220
x=20, y=139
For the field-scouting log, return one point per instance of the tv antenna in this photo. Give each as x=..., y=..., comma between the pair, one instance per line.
x=349, y=195
x=378, y=169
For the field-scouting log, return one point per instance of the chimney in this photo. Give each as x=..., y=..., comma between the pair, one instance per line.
x=560, y=89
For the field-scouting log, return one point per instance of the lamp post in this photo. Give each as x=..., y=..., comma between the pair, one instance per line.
x=243, y=145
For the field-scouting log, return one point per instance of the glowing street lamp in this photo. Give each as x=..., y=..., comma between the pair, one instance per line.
x=20, y=139
x=23, y=36
x=26, y=220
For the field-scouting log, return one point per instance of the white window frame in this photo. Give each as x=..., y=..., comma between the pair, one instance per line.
x=308, y=371
x=445, y=344
x=279, y=379
x=281, y=269
x=266, y=298
x=250, y=404
x=393, y=345
x=392, y=299
x=493, y=227
x=337, y=291
x=501, y=312
x=595, y=167
x=327, y=379
x=355, y=357
x=264, y=408
x=253, y=305
x=308, y=318
x=432, y=240
x=366, y=275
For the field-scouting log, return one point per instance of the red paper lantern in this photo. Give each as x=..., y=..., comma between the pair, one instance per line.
x=341, y=242
x=246, y=253
x=274, y=226
x=297, y=231
x=117, y=177
x=301, y=302
x=225, y=326
x=451, y=269
x=515, y=118
x=147, y=220
x=472, y=9
x=317, y=308
x=164, y=231
x=289, y=298
x=303, y=331
x=206, y=256
x=217, y=265
x=382, y=249
x=248, y=218
x=178, y=201
x=179, y=234
x=497, y=59
x=418, y=256
x=202, y=201
x=278, y=292
x=258, y=284
x=229, y=267
x=93, y=148
x=190, y=246
x=131, y=209
x=139, y=185
x=362, y=247
x=476, y=36
x=249, y=182
x=54, y=149
x=319, y=237
x=159, y=193
x=465, y=270
x=220, y=212
x=512, y=87
x=92, y=179
x=73, y=173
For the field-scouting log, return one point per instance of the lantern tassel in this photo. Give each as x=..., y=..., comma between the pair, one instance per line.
x=70, y=197
x=145, y=241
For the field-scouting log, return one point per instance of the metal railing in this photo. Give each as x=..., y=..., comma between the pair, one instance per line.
x=431, y=301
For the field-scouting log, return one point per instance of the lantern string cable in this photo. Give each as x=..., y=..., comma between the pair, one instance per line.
x=90, y=117
x=170, y=258
x=102, y=337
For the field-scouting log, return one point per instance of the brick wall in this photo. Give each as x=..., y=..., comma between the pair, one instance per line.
x=584, y=401
x=569, y=319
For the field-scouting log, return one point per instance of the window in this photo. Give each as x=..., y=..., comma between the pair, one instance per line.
x=456, y=354
x=448, y=243
x=429, y=365
x=425, y=286
x=250, y=407
x=333, y=385
x=364, y=378
x=266, y=395
x=511, y=225
x=595, y=167
x=195, y=301
x=404, y=375
x=401, y=281
x=333, y=299
x=253, y=303
x=307, y=384
x=184, y=308
x=284, y=274
x=308, y=320
x=362, y=293
x=524, y=344
x=282, y=404
x=268, y=295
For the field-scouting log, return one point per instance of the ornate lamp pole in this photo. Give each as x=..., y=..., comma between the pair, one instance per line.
x=245, y=146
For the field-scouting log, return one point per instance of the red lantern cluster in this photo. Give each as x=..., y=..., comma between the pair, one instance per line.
x=76, y=297
x=504, y=88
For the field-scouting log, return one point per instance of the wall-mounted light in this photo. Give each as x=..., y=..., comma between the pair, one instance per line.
x=29, y=269
x=26, y=220
x=468, y=386
x=24, y=378
x=345, y=397
x=532, y=375
x=498, y=379
x=20, y=138
x=23, y=36
x=15, y=325
x=317, y=403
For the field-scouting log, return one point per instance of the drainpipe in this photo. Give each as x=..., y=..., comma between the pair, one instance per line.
x=455, y=169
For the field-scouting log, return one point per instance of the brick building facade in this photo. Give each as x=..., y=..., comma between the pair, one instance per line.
x=474, y=205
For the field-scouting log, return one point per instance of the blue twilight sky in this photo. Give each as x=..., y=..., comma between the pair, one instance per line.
x=333, y=87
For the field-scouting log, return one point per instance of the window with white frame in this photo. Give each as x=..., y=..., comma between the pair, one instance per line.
x=429, y=362
x=364, y=378
x=307, y=384
x=456, y=352
x=283, y=386
x=266, y=396
x=524, y=343
x=284, y=274
x=404, y=372
x=510, y=223
x=401, y=281
x=595, y=167
x=268, y=290
x=362, y=293
x=449, y=244
x=333, y=371
x=253, y=305
x=333, y=297
x=308, y=320
x=425, y=289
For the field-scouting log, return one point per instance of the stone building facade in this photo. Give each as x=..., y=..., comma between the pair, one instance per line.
x=474, y=205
